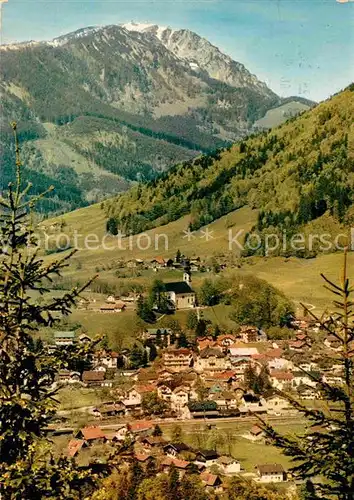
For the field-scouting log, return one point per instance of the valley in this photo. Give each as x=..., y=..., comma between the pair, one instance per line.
x=176, y=279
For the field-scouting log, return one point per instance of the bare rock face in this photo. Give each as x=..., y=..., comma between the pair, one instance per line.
x=202, y=55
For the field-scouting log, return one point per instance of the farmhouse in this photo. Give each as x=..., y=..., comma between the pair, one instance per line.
x=68, y=377
x=158, y=263
x=136, y=428
x=143, y=458
x=95, y=378
x=256, y=433
x=211, y=481
x=64, y=338
x=74, y=446
x=229, y=465
x=150, y=442
x=91, y=434
x=113, y=308
x=181, y=465
x=271, y=473
x=212, y=360
x=110, y=410
x=226, y=340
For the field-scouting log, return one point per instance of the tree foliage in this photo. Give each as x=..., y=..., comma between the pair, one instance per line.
x=27, y=399
x=151, y=404
x=325, y=459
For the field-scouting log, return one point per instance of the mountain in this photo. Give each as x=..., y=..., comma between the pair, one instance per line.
x=202, y=56
x=298, y=177
x=103, y=107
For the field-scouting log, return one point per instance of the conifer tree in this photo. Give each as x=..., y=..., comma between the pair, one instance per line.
x=27, y=467
x=325, y=460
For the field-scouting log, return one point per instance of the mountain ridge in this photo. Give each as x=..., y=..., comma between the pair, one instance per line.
x=121, y=106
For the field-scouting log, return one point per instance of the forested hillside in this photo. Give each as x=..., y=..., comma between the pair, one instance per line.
x=293, y=175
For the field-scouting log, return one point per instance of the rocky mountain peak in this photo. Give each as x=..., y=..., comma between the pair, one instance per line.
x=201, y=55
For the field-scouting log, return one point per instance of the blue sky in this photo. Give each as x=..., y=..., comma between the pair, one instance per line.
x=298, y=47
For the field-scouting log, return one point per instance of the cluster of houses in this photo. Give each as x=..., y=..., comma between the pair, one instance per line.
x=179, y=294
x=151, y=448
x=210, y=380
x=159, y=262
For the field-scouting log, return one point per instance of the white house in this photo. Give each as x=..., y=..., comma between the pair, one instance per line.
x=225, y=400
x=229, y=465
x=277, y=405
x=242, y=352
x=309, y=366
x=271, y=473
x=280, y=364
x=133, y=398
x=212, y=360
x=179, y=398
x=107, y=359
x=164, y=392
x=206, y=458
x=308, y=393
x=255, y=404
x=280, y=379
x=336, y=380
x=301, y=378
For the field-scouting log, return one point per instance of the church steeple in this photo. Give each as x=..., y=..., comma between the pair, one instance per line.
x=187, y=276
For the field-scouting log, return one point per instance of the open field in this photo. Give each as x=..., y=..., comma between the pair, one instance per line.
x=230, y=440
x=300, y=279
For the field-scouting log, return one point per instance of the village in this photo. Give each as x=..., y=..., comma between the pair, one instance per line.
x=180, y=294
x=168, y=378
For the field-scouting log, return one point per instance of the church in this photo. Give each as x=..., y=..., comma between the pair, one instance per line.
x=180, y=293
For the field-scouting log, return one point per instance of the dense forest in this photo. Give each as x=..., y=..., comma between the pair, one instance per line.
x=293, y=175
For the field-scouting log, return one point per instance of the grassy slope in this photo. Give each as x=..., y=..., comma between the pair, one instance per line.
x=276, y=116
x=299, y=279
